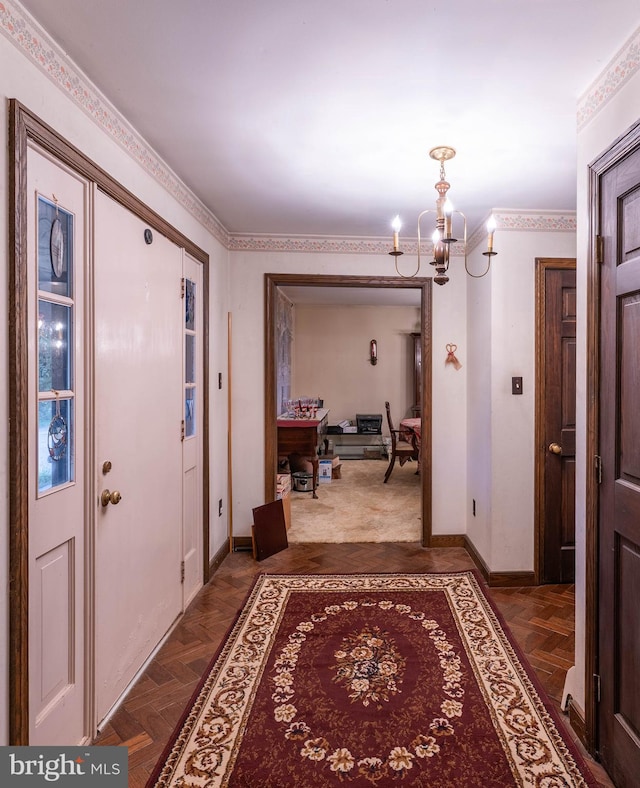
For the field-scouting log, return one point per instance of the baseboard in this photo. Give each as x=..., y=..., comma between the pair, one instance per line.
x=219, y=557
x=242, y=543
x=476, y=558
x=577, y=722
x=447, y=540
x=498, y=579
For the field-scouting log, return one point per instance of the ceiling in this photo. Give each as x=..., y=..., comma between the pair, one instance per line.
x=315, y=117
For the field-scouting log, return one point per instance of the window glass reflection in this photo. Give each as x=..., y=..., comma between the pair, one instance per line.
x=54, y=347
x=190, y=305
x=55, y=446
x=55, y=247
x=190, y=413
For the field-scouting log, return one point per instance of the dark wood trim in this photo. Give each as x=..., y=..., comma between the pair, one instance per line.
x=626, y=143
x=218, y=558
x=577, y=721
x=476, y=558
x=272, y=283
x=26, y=128
x=498, y=579
x=591, y=492
x=511, y=579
x=18, y=435
x=543, y=264
x=448, y=540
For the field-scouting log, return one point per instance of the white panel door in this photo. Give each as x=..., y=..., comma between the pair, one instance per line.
x=139, y=394
x=57, y=248
x=193, y=421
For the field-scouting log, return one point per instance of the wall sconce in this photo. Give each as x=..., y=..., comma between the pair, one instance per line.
x=373, y=351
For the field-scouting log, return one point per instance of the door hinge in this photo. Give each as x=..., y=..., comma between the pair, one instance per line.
x=599, y=250
x=182, y=287
x=182, y=571
x=182, y=430
x=598, y=468
x=596, y=687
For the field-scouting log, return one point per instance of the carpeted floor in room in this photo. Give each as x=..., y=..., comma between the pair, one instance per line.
x=360, y=507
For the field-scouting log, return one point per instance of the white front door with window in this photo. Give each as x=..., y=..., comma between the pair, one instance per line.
x=57, y=218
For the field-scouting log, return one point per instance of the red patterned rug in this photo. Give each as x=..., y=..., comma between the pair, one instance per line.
x=369, y=680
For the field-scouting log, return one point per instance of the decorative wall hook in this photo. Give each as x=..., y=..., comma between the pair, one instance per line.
x=373, y=351
x=451, y=356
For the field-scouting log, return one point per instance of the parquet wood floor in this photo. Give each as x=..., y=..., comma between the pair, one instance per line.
x=541, y=620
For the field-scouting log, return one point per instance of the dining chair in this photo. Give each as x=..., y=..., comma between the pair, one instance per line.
x=401, y=449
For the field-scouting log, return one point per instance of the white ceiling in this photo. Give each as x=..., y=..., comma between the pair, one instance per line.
x=315, y=117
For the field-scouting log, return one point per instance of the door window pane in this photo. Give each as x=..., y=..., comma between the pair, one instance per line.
x=190, y=413
x=55, y=453
x=190, y=305
x=55, y=245
x=190, y=359
x=54, y=347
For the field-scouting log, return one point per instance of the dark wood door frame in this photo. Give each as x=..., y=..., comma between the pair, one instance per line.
x=275, y=281
x=25, y=128
x=624, y=145
x=543, y=264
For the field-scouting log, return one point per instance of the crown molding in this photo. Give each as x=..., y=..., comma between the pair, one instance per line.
x=624, y=64
x=506, y=220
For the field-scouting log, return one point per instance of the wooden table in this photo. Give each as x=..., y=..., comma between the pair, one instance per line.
x=303, y=436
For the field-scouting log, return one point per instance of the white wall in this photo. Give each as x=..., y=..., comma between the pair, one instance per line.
x=21, y=79
x=501, y=333
x=617, y=109
x=331, y=358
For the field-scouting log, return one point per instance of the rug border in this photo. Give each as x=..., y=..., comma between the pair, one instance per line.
x=528, y=668
x=482, y=587
x=166, y=751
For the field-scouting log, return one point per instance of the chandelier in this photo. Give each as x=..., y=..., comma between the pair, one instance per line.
x=442, y=236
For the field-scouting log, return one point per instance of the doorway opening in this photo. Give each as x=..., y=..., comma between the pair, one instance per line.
x=273, y=284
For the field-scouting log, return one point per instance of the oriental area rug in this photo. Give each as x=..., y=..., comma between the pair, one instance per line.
x=369, y=680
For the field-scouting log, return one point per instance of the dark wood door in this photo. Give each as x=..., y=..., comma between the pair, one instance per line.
x=559, y=417
x=619, y=501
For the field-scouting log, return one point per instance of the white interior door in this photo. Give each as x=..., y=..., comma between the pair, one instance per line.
x=57, y=248
x=192, y=443
x=139, y=340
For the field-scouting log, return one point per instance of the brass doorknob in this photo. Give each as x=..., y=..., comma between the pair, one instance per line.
x=554, y=448
x=107, y=497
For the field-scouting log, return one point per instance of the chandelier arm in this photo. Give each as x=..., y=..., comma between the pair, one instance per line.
x=476, y=276
x=407, y=276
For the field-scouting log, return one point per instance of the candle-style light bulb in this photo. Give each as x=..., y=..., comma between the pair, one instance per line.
x=435, y=237
x=396, y=224
x=491, y=227
x=448, y=210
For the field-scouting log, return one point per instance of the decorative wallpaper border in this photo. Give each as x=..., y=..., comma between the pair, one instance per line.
x=32, y=40
x=624, y=64
x=541, y=221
